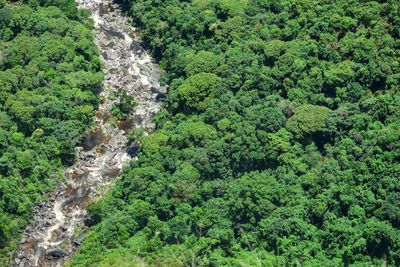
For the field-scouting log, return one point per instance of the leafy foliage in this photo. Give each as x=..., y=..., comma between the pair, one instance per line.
x=279, y=143
x=124, y=104
x=307, y=119
x=197, y=90
x=49, y=76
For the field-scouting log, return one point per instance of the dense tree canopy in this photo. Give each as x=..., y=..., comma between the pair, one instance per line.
x=279, y=143
x=49, y=77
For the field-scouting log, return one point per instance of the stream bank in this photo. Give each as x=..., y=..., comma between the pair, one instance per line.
x=51, y=237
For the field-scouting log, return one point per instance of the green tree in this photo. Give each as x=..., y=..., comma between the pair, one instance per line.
x=307, y=119
x=197, y=90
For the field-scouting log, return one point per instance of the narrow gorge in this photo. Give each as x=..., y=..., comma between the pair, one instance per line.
x=53, y=235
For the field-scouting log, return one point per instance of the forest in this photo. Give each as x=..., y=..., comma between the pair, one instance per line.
x=278, y=143
x=49, y=78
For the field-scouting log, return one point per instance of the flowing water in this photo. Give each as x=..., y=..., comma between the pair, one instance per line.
x=52, y=236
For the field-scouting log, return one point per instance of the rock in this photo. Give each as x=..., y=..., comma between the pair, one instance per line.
x=41, y=224
x=79, y=239
x=127, y=79
x=65, y=227
x=54, y=253
x=26, y=252
x=35, y=236
x=61, y=186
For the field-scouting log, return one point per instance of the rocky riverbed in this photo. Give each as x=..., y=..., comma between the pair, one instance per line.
x=52, y=236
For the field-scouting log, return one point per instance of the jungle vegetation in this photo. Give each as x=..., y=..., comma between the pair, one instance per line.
x=49, y=78
x=278, y=144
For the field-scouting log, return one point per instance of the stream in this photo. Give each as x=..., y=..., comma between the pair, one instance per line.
x=52, y=236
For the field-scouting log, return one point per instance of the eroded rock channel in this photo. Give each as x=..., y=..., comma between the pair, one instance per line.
x=51, y=237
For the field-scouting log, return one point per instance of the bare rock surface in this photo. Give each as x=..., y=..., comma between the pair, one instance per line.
x=51, y=238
